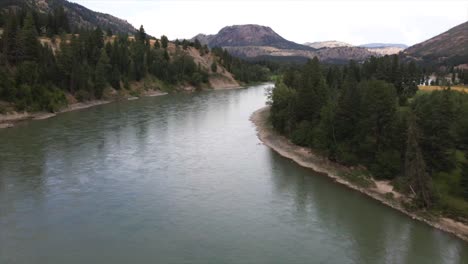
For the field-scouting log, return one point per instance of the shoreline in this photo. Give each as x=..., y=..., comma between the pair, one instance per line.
x=379, y=191
x=11, y=119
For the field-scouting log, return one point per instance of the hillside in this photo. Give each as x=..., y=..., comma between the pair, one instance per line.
x=383, y=45
x=449, y=47
x=255, y=41
x=250, y=35
x=48, y=72
x=377, y=49
x=327, y=44
x=78, y=15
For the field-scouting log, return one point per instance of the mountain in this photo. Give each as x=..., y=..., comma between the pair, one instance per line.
x=79, y=16
x=383, y=45
x=327, y=44
x=260, y=42
x=251, y=35
x=450, y=47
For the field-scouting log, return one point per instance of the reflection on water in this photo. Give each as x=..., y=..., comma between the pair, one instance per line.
x=183, y=178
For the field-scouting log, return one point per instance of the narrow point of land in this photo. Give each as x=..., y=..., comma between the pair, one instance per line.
x=381, y=191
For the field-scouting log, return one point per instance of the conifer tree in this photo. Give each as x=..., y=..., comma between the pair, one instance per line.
x=102, y=74
x=28, y=44
x=214, y=67
x=415, y=168
x=157, y=45
x=140, y=34
x=164, y=41
x=464, y=181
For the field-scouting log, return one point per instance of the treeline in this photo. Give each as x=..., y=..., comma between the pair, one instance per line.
x=449, y=76
x=42, y=60
x=370, y=114
x=53, y=23
x=244, y=71
x=37, y=76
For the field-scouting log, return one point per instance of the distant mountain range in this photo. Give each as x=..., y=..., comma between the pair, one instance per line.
x=327, y=44
x=255, y=41
x=376, y=48
x=383, y=45
x=80, y=16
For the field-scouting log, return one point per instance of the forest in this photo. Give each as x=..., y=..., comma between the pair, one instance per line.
x=372, y=115
x=43, y=58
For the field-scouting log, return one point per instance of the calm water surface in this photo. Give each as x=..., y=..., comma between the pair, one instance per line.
x=184, y=179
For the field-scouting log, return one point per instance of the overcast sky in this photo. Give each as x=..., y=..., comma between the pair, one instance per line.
x=355, y=22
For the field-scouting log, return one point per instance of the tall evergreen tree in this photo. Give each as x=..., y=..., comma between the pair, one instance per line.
x=28, y=44
x=415, y=168
x=157, y=45
x=141, y=34
x=102, y=74
x=164, y=41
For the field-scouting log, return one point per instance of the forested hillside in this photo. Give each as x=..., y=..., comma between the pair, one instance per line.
x=79, y=16
x=371, y=115
x=38, y=70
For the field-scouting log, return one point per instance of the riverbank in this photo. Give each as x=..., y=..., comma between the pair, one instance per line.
x=378, y=190
x=11, y=119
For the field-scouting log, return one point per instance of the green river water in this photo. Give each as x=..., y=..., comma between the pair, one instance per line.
x=184, y=179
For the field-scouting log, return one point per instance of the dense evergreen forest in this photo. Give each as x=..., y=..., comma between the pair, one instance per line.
x=372, y=115
x=42, y=60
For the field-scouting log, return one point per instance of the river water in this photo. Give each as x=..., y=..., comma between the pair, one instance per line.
x=184, y=179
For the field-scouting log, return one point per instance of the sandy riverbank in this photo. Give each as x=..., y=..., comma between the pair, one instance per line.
x=379, y=190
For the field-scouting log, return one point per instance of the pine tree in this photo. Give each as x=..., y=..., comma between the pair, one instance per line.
x=141, y=34
x=115, y=78
x=415, y=168
x=347, y=112
x=164, y=41
x=312, y=93
x=102, y=74
x=166, y=55
x=10, y=38
x=464, y=181
x=157, y=45
x=197, y=44
x=28, y=44
x=2, y=19
x=214, y=67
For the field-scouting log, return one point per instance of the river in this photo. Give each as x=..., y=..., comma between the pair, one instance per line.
x=184, y=179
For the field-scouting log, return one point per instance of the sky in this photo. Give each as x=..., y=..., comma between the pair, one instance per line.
x=354, y=22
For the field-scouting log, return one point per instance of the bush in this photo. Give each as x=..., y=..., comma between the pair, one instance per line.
x=387, y=164
x=453, y=207
x=83, y=95
x=303, y=134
